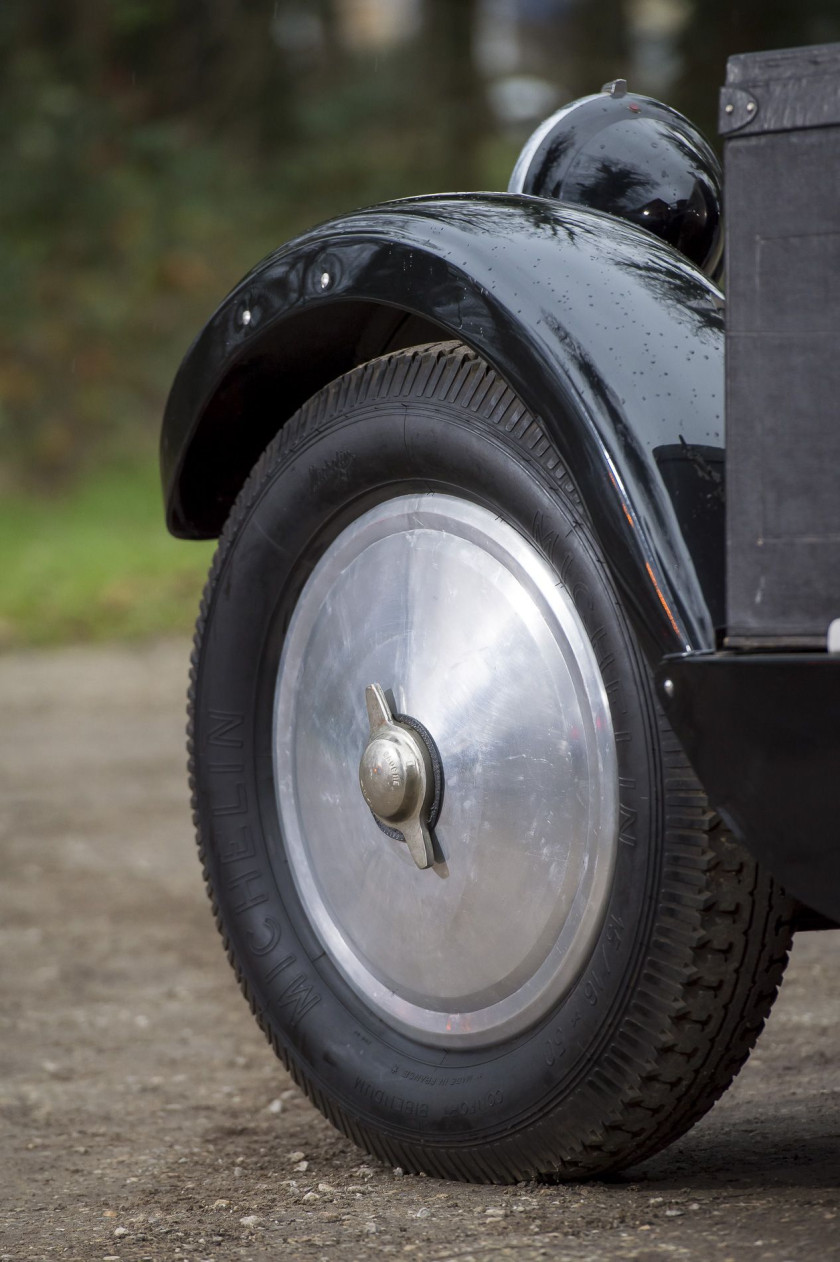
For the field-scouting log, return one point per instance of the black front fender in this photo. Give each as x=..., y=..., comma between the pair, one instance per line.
x=609, y=336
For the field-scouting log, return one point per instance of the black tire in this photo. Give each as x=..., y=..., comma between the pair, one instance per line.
x=693, y=938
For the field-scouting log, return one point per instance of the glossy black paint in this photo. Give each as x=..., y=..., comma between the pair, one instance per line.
x=634, y=157
x=762, y=733
x=608, y=335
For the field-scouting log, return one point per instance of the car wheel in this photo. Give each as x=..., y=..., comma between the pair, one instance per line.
x=469, y=883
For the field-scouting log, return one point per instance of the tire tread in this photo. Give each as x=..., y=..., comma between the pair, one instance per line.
x=721, y=931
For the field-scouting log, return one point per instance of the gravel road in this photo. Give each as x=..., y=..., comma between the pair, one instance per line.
x=142, y=1115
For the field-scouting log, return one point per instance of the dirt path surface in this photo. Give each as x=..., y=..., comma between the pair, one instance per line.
x=142, y=1115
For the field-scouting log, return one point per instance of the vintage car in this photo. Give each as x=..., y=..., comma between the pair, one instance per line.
x=513, y=741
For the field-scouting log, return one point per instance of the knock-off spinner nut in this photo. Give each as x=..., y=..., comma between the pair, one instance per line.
x=391, y=774
x=395, y=776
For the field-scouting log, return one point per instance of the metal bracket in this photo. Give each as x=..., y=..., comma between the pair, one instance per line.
x=737, y=108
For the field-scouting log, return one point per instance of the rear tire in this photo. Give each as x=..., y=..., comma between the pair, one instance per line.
x=608, y=959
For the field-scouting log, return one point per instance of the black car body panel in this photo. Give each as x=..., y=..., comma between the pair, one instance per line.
x=609, y=336
x=760, y=719
x=762, y=732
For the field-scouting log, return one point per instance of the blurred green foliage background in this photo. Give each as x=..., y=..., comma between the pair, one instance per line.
x=153, y=150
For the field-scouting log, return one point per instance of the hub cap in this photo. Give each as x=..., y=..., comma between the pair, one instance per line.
x=468, y=932
x=396, y=779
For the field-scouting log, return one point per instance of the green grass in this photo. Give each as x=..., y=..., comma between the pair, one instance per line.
x=96, y=564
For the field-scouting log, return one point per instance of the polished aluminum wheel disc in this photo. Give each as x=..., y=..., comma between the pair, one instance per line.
x=464, y=623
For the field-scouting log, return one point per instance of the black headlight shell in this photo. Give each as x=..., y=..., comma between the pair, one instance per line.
x=633, y=157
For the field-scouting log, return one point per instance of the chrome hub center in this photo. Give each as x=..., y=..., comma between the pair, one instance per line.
x=392, y=776
x=395, y=776
x=479, y=936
